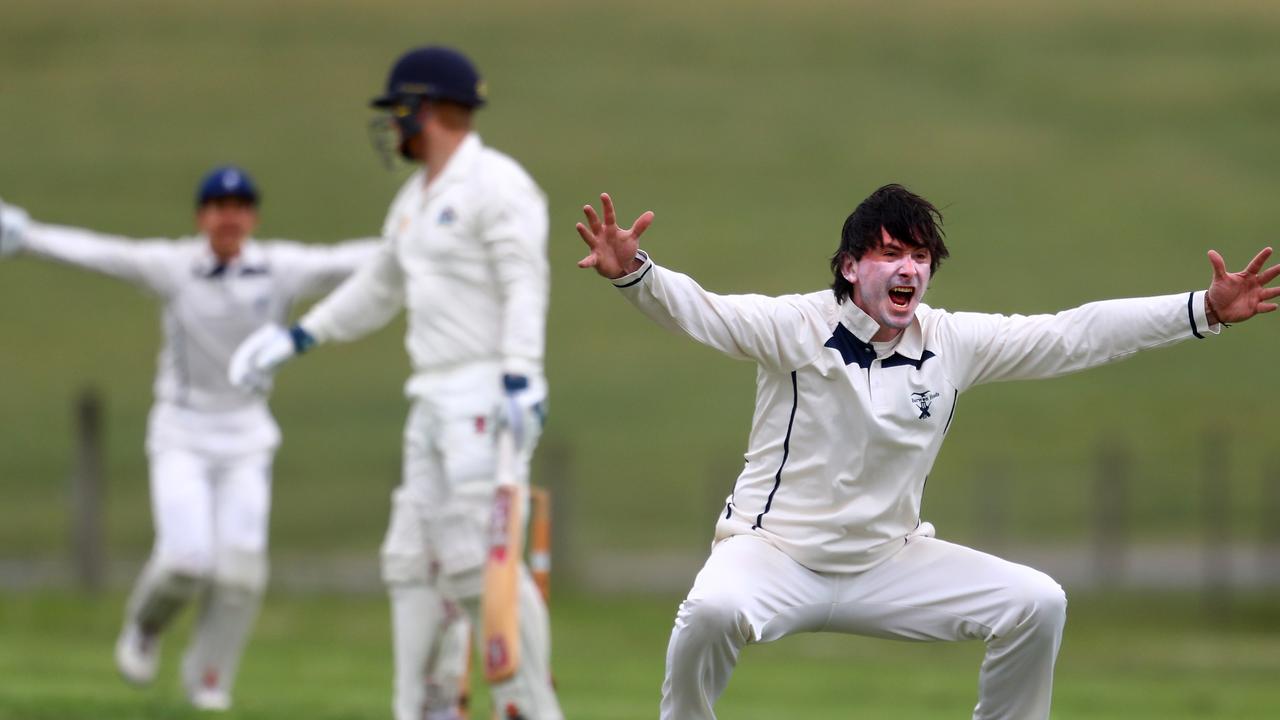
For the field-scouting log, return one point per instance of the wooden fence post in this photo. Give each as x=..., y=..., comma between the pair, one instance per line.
x=1215, y=502
x=88, y=540
x=1110, y=513
x=1269, y=535
x=991, y=510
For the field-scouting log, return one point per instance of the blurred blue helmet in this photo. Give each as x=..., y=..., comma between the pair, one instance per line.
x=423, y=74
x=224, y=182
x=432, y=73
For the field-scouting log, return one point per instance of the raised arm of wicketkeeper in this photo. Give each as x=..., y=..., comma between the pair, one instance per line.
x=365, y=302
x=773, y=331
x=148, y=264
x=319, y=269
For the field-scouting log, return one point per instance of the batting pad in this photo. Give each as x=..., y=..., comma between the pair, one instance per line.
x=221, y=632
x=240, y=568
x=158, y=596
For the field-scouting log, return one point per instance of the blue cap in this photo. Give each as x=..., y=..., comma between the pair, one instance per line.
x=227, y=181
x=435, y=73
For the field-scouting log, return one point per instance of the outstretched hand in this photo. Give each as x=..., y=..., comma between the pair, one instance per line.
x=13, y=227
x=613, y=250
x=1235, y=297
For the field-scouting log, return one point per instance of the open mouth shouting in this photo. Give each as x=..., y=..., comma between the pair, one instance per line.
x=900, y=295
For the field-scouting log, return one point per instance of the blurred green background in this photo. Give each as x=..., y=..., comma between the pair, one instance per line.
x=1079, y=150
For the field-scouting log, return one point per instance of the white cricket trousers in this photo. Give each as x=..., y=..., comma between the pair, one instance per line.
x=749, y=591
x=209, y=510
x=211, y=516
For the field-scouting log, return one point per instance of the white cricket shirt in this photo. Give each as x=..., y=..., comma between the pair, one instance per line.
x=466, y=256
x=843, y=438
x=209, y=309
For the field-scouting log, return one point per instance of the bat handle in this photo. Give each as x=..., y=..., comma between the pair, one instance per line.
x=505, y=471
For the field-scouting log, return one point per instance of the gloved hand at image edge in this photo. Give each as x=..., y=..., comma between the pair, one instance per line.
x=13, y=228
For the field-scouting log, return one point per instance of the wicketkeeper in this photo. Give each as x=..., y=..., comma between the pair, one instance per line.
x=465, y=255
x=210, y=444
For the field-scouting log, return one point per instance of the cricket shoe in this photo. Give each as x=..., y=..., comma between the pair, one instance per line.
x=137, y=655
x=211, y=699
x=204, y=688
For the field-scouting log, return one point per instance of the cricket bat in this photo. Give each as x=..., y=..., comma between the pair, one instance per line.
x=501, y=600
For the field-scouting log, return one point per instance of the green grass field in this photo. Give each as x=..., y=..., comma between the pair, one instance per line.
x=327, y=658
x=1079, y=150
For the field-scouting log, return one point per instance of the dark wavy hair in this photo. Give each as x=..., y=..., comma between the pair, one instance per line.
x=907, y=217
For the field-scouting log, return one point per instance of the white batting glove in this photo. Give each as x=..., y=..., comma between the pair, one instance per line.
x=524, y=409
x=254, y=363
x=13, y=228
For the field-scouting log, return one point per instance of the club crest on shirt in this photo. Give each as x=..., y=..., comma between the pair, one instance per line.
x=447, y=216
x=923, y=401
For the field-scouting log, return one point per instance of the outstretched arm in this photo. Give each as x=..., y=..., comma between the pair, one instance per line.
x=613, y=250
x=318, y=269
x=779, y=333
x=365, y=302
x=148, y=264
x=997, y=347
x=1236, y=297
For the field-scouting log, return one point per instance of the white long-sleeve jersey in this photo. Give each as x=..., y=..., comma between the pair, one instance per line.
x=466, y=255
x=208, y=309
x=845, y=432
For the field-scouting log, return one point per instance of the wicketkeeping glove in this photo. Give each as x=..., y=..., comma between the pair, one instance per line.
x=524, y=409
x=13, y=226
x=254, y=363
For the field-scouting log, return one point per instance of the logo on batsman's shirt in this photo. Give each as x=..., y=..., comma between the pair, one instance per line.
x=447, y=216
x=923, y=401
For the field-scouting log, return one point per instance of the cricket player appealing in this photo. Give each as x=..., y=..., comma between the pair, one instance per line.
x=210, y=444
x=465, y=254
x=856, y=388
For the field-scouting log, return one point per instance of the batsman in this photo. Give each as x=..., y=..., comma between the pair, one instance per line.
x=464, y=252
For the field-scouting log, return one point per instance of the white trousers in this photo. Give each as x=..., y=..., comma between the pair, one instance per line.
x=211, y=515
x=207, y=510
x=434, y=552
x=749, y=591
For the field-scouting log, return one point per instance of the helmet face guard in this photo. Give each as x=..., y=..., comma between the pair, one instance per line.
x=423, y=74
x=391, y=132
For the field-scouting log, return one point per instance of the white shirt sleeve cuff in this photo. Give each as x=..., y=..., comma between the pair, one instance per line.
x=1198, y=318
x=634, y=278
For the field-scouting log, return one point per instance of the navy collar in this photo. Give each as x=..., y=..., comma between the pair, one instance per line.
x=853, y=333
x=250, y=261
